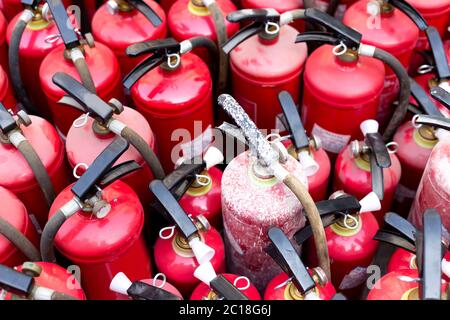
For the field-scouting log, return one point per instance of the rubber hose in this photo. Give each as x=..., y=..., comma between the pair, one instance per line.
x=85, y=74
x=222, y=37
x=144, y=149
x=14, y=67
x=62, y=296
x=39, y=170
x=404, y=93
x=48, y=236
x=314, y=219
x=210, y=45
x=19, y=240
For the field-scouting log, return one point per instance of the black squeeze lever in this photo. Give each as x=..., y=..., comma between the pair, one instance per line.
x=15, y=282
x=63, y=23
x=226, y=289
x=441, y=95
x=170, y=204
x=88, y=100
x=282, y=251
x=423, y=99
x=295, y=126
x=7, y=121
x=86, y=186
x=436, y=122
x=379, y=160
x=147, y=11
x=142, y=291
x=439, y=54
x=317, y=36
x=394, y=239
x=403, y=226
x=431, y=270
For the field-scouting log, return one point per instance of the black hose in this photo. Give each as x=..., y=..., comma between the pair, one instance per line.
x=39, y=170
x=404, y=93
x=48, y=236
x=144, y=149
x=14, y=67
x=19, y=240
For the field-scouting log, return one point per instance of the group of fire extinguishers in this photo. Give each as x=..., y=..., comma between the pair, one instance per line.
x=262, y=226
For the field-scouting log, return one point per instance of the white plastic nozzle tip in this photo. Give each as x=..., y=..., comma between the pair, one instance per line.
x=308, y=163
x=213, y=157
x=369, y=126
x=205, y=273
x=370, y=203
x=120, y=283
x=202, y=252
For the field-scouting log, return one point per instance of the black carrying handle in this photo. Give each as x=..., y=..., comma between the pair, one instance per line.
x=441, y=95
x=226, y=289
x=15, y=282
x=142, y=291
x=403, y=226
x=7, y=121
x=394, y=239
x=330, y=213
x=259, y=17
x=86, y=186
x=292, y=116
x=176, y=213
x=438, y=50
x=147, y=11
x=317, y=36
x=119, y=171
x=433, y=121
x=423, y=100
x=65, y=28
x=379, y=160
x=284, y=254
x=88, y=100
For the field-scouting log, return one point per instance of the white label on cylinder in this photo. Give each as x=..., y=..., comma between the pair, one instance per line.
x=332, y=142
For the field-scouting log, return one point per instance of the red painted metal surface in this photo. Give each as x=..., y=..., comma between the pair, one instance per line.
x=178, y=263
x=104, y=247
x=6, y=93
x=83, y=145
x=202, y=291
x=255, y=88
x=177, y=104
x=250, y=206
x=105, y=72
x=338, y=92
x=16, y=174
x=122, y=29
x=14, y=212
x=354, y=177
x=3, y=44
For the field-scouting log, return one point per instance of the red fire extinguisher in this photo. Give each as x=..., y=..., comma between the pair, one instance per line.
x=97, y=224
x=296, y=282
x=368, y=166
x=19, y=238
x=95, y=64
x=266, y=44
x=409, y=284
x=308, y=151
x=31, y=35
x=6, y=93
x=181, y=248
x=121, y=23
x=415, y=143
x=434, y=187
x=147, y=289
x=277, y=184
x=391, y=30
x=88, y=136
x=225, y=286
x=350, y=228
x=39, y=281
x=32, y=165
x=173, y=90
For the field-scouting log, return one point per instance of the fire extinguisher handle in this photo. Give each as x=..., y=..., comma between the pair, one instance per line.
x=226, y=289
x=423, y=99
x=162, y=47
x=439, y=54
x=7, y=121
x=119, y=171
x=147, y=11
x=241, y=36
x=376, y=143
x=349, y=36
x=401, y=225
x=142, y=291
x=431, y=271
x=441, y=95
x=347, y=203
x=306, y=232
x=282, y=251
x=433, y=121
x=395, y=240
x=170, y=204
x=15, y=282
x=377, y=176
x=85, y=187
x=140, y=70
x=88, y=100
x=185, y=172
x=292, y=117
x=260, y=15
x=411, y=12
x=317, y=36
x=65, y=27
